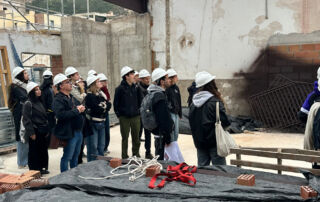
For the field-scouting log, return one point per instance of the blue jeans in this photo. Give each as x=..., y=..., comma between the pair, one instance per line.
x=207, y=155
x=22, y=153
x=175, y=132
x=71, y=152
x=107, y=130
x=96, y=142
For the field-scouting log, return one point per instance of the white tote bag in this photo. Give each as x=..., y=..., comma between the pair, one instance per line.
x=223, y=138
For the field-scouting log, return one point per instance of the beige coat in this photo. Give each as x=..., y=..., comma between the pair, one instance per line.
x=308, y=133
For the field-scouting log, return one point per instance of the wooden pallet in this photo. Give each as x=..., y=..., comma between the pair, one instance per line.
x=8, y=149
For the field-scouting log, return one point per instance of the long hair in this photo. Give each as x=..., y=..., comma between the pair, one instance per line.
x=33, y=98
x=93, y=88
x=11, y=102
x=212, y=88
x=21, y=77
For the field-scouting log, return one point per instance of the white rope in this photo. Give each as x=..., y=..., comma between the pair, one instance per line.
x=136, y=168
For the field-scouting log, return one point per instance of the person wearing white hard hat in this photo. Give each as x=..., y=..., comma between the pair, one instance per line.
x=73, y=74
x=126, y=104
x=136, y=77
x=104, y=82
x=97, y=107
x=47, y=95
x=202, y=119
x=143, y=84
x=17, y=96
x=158, y=100
x=69, y=122
x=174, y=102
x=35, y=121
x=92, y=72
x=310, y=100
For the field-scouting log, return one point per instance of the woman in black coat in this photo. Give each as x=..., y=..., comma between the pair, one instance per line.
x=202, y=119
x=47, y=100
x=17, y=97
x=35, y=121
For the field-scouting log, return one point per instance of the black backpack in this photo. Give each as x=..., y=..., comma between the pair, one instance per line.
x=148, y=117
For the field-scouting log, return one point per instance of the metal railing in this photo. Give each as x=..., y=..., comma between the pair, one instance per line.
x=17, y=6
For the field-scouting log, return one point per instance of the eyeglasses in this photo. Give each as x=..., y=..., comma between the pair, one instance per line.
x=67, y=82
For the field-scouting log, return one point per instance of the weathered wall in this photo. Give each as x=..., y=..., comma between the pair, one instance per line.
x=224, y=37
x=30, y=43
x=107, y=47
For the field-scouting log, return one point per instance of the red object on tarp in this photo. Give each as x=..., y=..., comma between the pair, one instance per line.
x=182, y=172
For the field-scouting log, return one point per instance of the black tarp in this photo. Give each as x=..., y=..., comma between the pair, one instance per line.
x=219, y=185
x=238, y=124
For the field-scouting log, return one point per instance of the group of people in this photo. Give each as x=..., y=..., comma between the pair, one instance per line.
x=74, y=112
x=66, y=109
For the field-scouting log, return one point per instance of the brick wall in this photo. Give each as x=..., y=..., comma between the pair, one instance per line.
x=297, y=62
x=39, y=18
x=56, y=64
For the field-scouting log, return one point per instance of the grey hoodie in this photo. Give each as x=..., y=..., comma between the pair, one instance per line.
x=154, y=87
x=200, y=98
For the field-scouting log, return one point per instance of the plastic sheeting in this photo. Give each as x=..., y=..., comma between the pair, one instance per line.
x=220, y=184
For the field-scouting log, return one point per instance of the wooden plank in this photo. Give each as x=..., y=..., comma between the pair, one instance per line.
x=285, y=150
x=269, y=154
x=238, y=156
x=273, y=166
x=3, y=85
x=261, y=148
x=7, y=149
x=301, y=151
x=279, y=161
x=7, y=67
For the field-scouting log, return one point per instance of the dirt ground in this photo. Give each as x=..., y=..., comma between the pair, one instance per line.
x=257, y=139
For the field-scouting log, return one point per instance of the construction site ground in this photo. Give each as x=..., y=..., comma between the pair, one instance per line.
x=250, y=139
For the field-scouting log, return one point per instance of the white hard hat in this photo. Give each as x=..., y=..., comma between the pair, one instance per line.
x=91, y=72
x=59, y=78
x=102, y=77
x=318, y=73
x=125, y=70
x=144, y=73
x=202, y=78
x=171, y=72
x=91, y=79
x=136, y=73
x=70, y=70
x=158, y=73
x=30, y=86
x=47, y=73
x=16, y=71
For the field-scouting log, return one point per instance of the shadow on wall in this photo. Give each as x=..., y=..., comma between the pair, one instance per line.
x=278, y=82
x=296, y=62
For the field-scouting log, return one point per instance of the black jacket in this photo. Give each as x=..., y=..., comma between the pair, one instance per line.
x=127, y=100
x=202, y=122
x=34, y=118
x=162, y=114
x=68, y=117
x=47, y=96
x=97, y=106
x=18, y=96
x=191, y=90
x=174, y=100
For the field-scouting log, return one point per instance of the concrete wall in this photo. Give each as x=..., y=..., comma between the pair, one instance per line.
x=30, y=43
x=107, y=47
x=223, y=37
